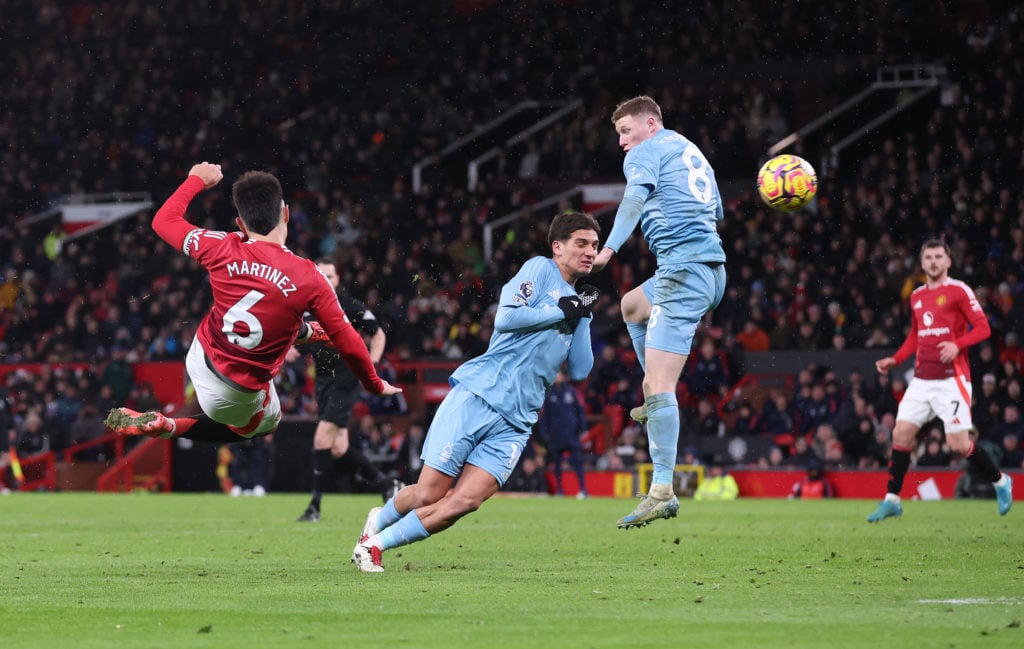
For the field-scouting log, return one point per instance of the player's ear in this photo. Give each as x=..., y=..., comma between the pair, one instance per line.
x=286, y=214
x=241, y=226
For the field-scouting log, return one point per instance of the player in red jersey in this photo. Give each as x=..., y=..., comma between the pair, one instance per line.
x=946, y=320
x=260, y=293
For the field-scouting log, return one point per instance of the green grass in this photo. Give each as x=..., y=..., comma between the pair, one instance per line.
x=162, y=571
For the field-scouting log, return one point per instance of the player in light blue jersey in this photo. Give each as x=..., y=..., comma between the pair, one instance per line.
x=671, y=192
x=482, y=426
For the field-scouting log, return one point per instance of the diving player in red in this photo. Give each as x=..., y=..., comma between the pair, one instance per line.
x=260, y=292
x=941, y=311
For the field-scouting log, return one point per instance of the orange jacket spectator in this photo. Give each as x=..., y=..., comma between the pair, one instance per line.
x=753, y=338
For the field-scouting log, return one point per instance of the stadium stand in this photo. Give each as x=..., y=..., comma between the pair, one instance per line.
x=341, y=99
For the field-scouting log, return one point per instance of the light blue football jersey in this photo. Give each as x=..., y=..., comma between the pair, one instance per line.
x=513, y=375
x=680, y=214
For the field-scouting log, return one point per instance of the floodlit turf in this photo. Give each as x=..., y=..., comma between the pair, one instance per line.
x=166, y=571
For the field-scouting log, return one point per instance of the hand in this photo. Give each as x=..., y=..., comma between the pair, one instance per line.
x=948, y=351
x=883, y=365
x=389, y=389
x=602, y=259
x=313, y=332
x=589, y=294
x=572, y=306
x=208, y=172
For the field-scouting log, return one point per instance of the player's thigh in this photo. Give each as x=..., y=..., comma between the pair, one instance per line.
x=465, y=429
x=475, y=485
x=636, y=306
x=951, y=401
x=680, y=296
x=663, y=371
x=258, y=412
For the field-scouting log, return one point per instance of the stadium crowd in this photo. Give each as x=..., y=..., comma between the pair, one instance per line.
x=114, y=96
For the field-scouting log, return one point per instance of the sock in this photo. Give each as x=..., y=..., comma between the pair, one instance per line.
x=638, y=333
x=322, y=463
x=408, y=530
x=663, y=435
x=898, y=465
x=201, y=428
x=353, y=460
x=388, y=515
x=981, y=460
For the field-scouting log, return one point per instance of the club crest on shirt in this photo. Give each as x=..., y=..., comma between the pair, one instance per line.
x=524, y=293
x=941, y=300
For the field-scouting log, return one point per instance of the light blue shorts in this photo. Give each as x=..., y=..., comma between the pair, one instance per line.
x=467, y=430
x=680, y=296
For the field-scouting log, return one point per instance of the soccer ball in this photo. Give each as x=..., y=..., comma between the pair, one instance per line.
x=787, y=183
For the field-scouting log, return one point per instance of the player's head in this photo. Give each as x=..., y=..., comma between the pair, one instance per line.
x=259, y=201
x=573, y=237
x=935, y=259
x=636, y=120
x=328, y=269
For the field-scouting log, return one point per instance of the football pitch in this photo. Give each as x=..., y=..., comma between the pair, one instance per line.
x=165, y=571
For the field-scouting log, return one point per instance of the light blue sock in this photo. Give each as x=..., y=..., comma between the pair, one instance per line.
x=388, y=515
x=638, y=333
x=663, y=434
x=408, y=530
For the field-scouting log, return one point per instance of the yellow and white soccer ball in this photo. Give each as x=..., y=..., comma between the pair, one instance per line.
x=787, y=183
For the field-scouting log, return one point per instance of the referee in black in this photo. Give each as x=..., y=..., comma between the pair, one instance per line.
x=337, y=391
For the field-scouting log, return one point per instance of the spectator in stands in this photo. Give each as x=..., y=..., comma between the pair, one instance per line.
x=1013, y=454
x=985, y=410
x=815, y=410
x=814, y=485
x=707, y=423
x=707, y=374
x=778, y=416
x=718, y=484
x=775, y=459
x=802, y=453
x=528, y=477
x=934, y=454
x=753, y=338
x=32, y=439
x=87, y=427
x=408, y=460
x=561, y=423
x=251, y=466
x=1012, y=352
x=1010, y=424
x=746, y=422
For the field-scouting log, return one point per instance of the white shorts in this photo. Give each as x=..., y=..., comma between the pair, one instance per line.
x=948, y=399
x=248, y=413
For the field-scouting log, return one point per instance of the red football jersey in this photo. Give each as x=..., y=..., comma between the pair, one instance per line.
x=260, y=292
x=940, y=314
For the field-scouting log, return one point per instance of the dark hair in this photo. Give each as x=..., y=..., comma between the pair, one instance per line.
x=258, y=198
x=325, y=260
x=936, y=243
x=642, y=105
x=563, y=225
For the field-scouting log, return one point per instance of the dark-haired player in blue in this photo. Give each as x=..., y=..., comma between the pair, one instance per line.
x=671, y=192
x=482, y=426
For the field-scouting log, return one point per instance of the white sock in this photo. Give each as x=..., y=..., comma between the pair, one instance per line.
x=661, y=491
x=892, y=498
x=1001, y=482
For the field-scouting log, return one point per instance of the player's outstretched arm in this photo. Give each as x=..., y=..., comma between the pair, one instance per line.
x=169, y=222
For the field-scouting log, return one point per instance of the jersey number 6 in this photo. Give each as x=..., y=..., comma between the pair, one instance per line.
x=240, y=313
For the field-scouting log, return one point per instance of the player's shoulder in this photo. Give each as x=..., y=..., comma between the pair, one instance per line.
x=959, y=286
x=538, y=266
x=202, y=240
